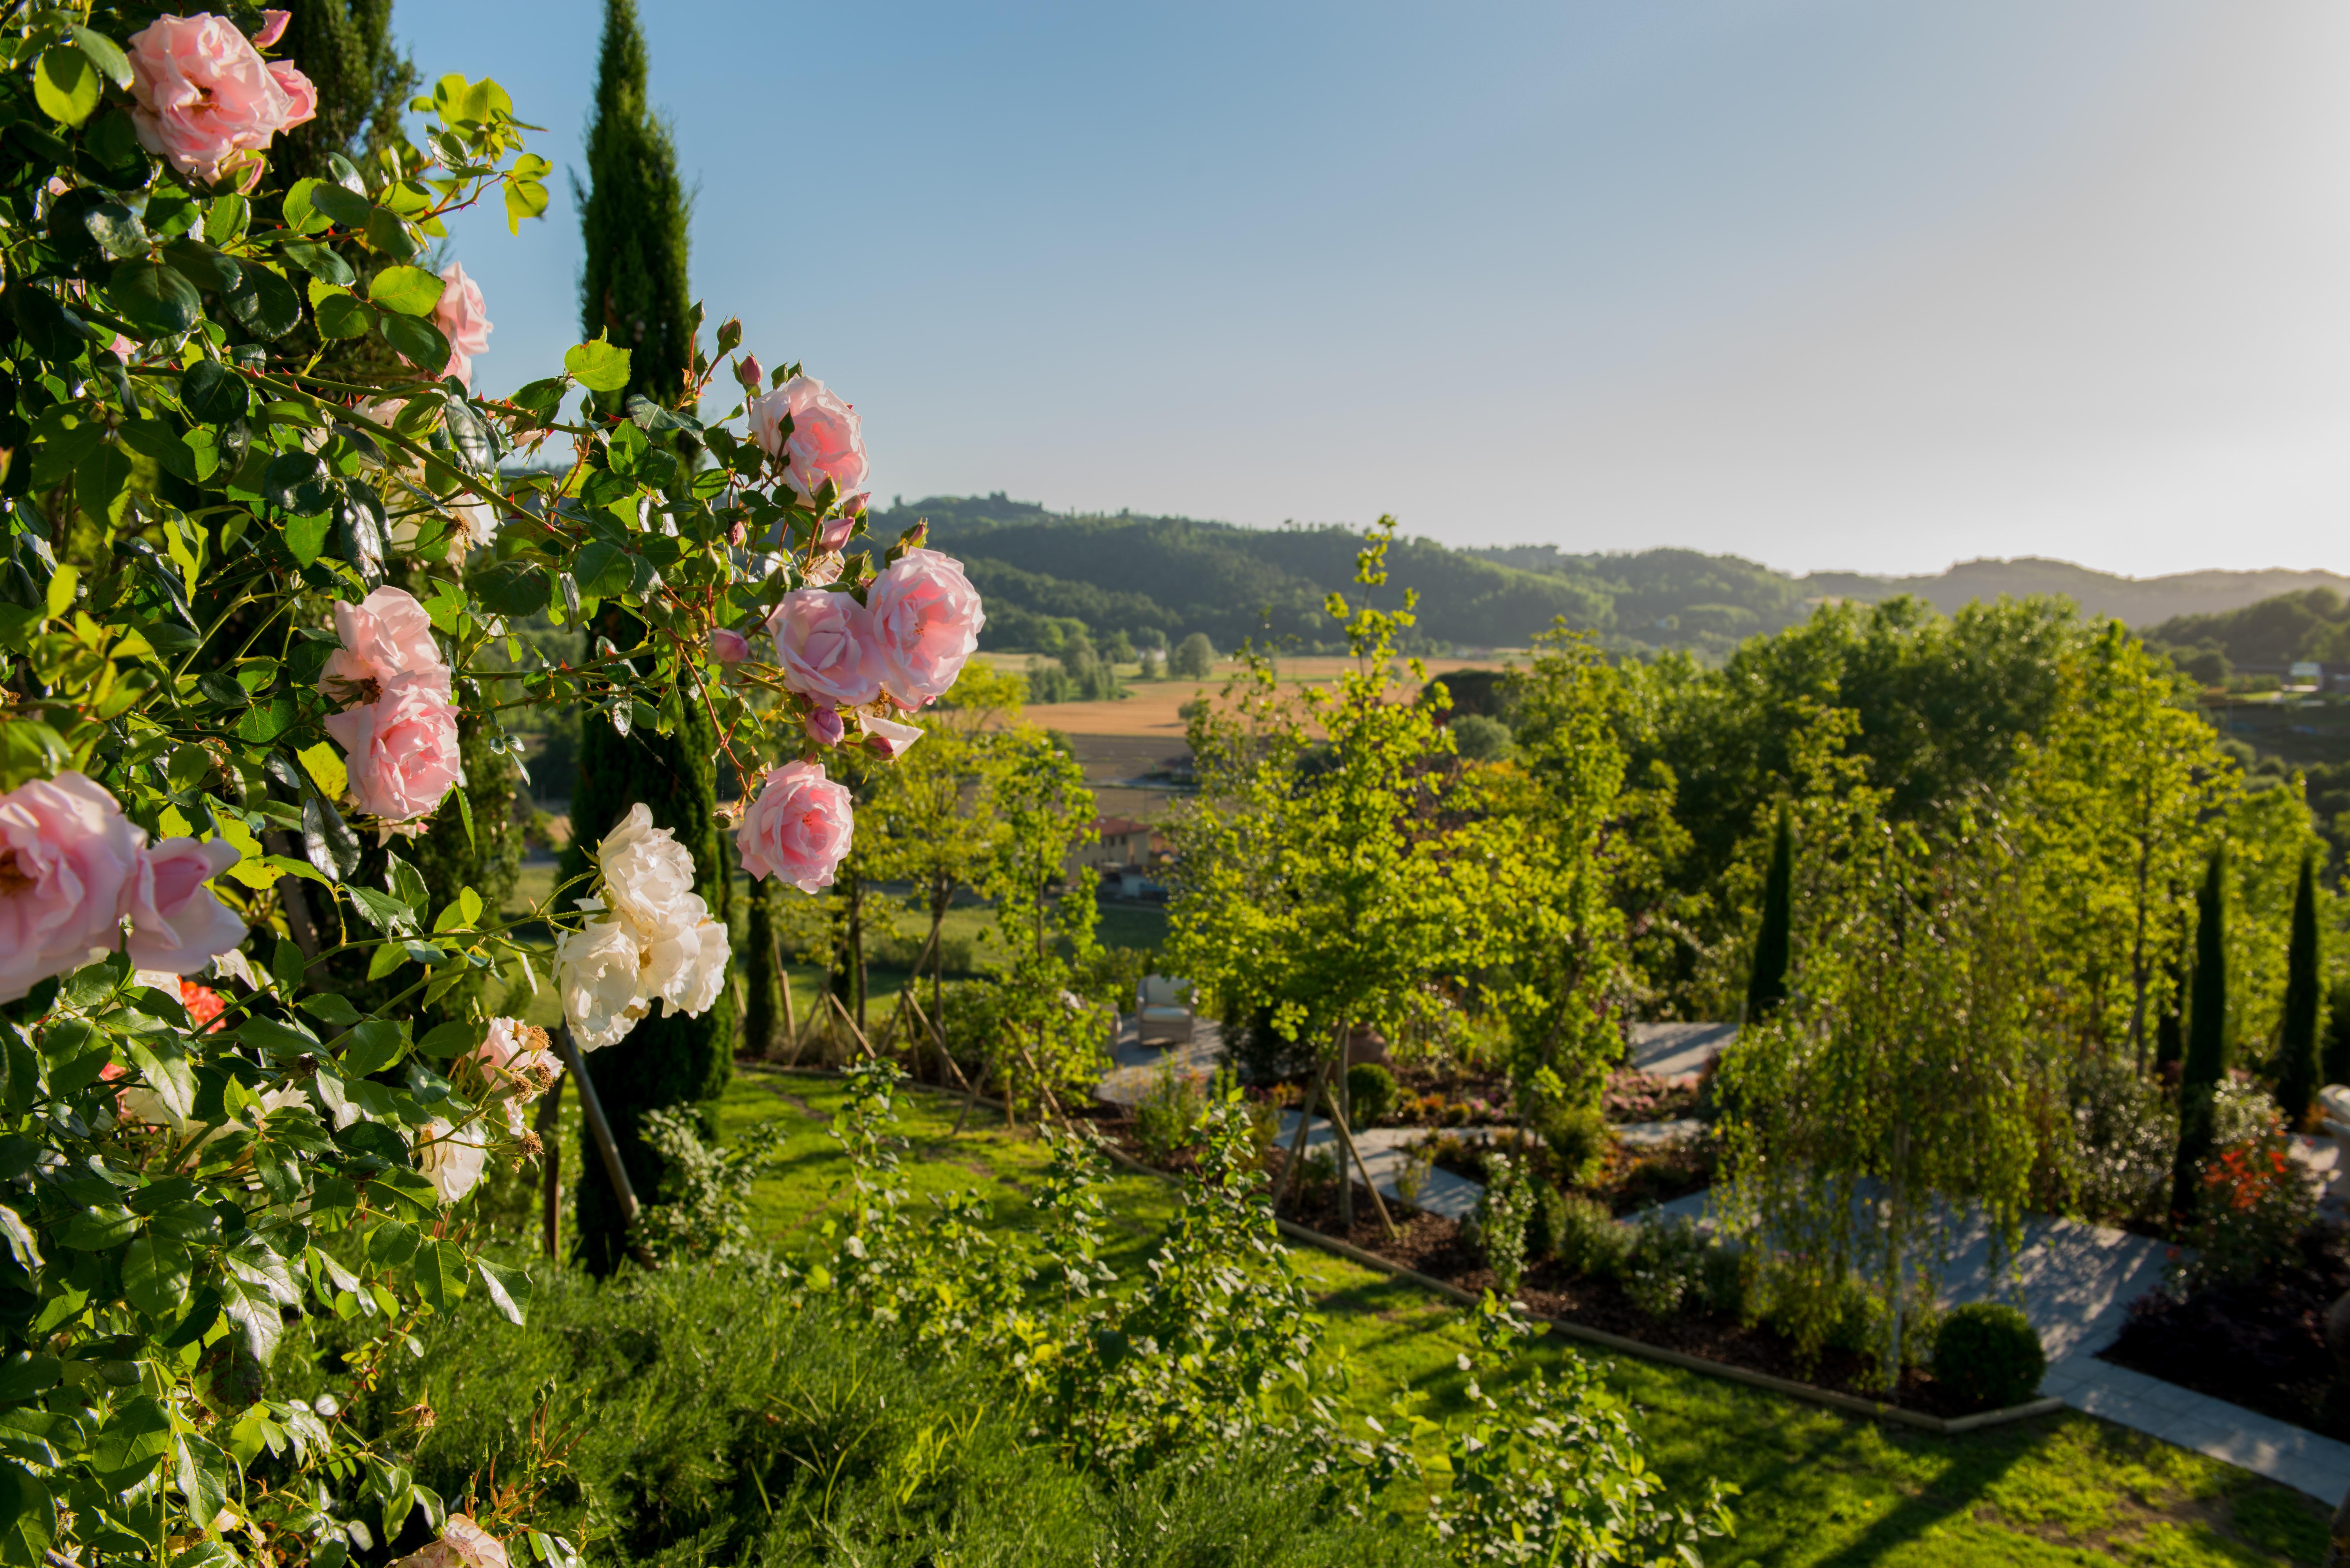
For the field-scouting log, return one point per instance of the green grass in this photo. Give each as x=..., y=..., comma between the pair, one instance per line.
x=1818, y=1487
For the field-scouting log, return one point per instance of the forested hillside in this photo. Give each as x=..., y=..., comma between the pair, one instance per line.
x=1160, y=578
x=2313, y=624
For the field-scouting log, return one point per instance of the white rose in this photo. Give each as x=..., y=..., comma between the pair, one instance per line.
x=451, y=1161
x=595, y=974
x=463, y=1544
x=685, y=967
x=648, y=875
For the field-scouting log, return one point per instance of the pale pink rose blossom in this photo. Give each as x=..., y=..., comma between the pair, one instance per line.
x=926, y=622
x=272, y=28
x=798, y=829
x=835, y=531
x=825, y=643
x=821, y=569
x=824, y=726
x=825, y=443
x=595, y=973
x=464, y=318
x=401, y=750
x=463, y=1544
x=889, y=738
x=67, y=856
x=201, y=96
x=729, y=647
x=452, y=1160
x=385, y=636
x=176, y=924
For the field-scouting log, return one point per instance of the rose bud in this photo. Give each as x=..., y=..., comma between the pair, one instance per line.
x=729, y=647
x=889, y=739
x=824, y=726
x=736, y=534
x=835, y=534
x=747, y=370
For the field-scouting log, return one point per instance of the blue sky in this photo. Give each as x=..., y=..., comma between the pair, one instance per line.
x=1821, y=283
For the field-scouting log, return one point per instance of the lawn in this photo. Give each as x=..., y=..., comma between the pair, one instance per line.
x=1819, y=1488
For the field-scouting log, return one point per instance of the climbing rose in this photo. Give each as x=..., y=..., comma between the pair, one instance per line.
x=385, y=634
x=176, y=924
x=825, y=643
x=463, y=1544
x=272, y=28
x=685, y=964
x=824, y=726
x=464, y=318
x=797, y=829
x=451, y=1161
x=67, y=856
x=925, y=621
x=825, y=443
x=596, y=975
x=729, y=647
x=648, y=876
x=402, y=750
x=201, y=96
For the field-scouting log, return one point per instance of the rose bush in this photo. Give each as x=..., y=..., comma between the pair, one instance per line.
x=250, y=592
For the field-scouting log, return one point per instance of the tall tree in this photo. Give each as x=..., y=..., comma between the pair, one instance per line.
x=1773, y=945
x=633, y=217
x=2207, y=1032
x=2297, y=1063
x=364, y=84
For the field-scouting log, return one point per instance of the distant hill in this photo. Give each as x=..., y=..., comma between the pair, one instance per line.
x=2141, y=601
x=2313, y=624
x=1175, y=575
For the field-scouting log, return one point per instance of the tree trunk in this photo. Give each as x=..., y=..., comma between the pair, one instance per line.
x=1342, y=1100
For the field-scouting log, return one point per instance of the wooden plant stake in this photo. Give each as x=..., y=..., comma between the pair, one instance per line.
x=597, y=1127
x=946, y=1059
x=791, y=1021
x=1378, y=1202
x=1296, y=1164
x=855, y=1033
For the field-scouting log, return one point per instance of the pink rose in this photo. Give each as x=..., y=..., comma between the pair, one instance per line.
x=401, y=749
x=749, y=371
x=925, y=621
x=272, y=28
x=729, y=647
x=385, y=636
x=201, y=96
x=797, y=829
x=889, y=738
x=464, y=318
x=824, y=443
x=824, y=726
x=835, y=531
x=824, y=642
x=176, y=923
x=67, y=856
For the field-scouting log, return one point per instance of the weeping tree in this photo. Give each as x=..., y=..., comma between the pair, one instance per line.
x=634, y=289
x=2207, y=1032
x=2297, y=1063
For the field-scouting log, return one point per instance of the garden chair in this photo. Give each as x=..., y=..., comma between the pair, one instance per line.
x=1162, y=1014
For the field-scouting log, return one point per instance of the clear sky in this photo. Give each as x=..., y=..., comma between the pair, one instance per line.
x=1829, y=283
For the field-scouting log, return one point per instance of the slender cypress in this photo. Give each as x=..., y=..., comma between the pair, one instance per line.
x=2297, y=1064
x=1766, y=987
x=2207, y=1037
x=763, y=1004
x=633, y=215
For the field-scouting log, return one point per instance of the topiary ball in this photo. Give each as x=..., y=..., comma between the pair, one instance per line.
x=1989, y=1355
x=1371, y=1093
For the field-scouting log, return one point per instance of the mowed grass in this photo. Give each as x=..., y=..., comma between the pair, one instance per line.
x=1818, y=1487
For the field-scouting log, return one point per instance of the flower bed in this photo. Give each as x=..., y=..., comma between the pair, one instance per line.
x=1631, y=1180
x=2260, y=1344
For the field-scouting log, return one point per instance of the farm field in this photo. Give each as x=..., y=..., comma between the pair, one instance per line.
x=1817, y=1488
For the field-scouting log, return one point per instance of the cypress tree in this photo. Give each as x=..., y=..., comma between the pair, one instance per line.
x=762, y=1003
x=2338, y=1031
x=2207, y=1037
x=633, y=215
x=1766, y=987
x=345, y=48
x=2297, y=1064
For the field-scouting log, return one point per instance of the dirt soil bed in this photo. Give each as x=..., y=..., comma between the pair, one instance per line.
x=1436, y=1247
x=2260, y=1345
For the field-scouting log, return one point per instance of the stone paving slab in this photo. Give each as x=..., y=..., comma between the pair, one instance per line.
x=1678, y=1050
x=1136, y=1067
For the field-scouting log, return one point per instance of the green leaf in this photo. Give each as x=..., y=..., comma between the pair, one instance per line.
x=154, y=297
x=102, y=52
x=306, y=537
x=389, y=234
x=167, y=1070
x=410, y=290
x=416, y=341
x=375, y=1044
x=524, y=199
x=263, y=303
x=321, y=262
x=97, y=1229
x=203, y=266
x=65, y=85
x=154, y=438
x=441, y=1275
x=509, y=1288
x=297, y=481
x=342, y=316
x=156, y=1274
x=381, y=910
x=598, y=366
x=325, y=766
x=24, y=1375
x=344, y=207
x=603, y=571
x=28, y=1518
x=407, y=884
x=511, y=588
x=213, y=393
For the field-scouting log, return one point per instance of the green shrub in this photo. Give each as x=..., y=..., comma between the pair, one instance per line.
x=1170, y=1113
x=1502, y=1216
x=1728, y=1282
x=1573, y=1127
x=1588, y=1240
x=1988, y=1354
x=1664, y=1267
x=1371, y=1094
